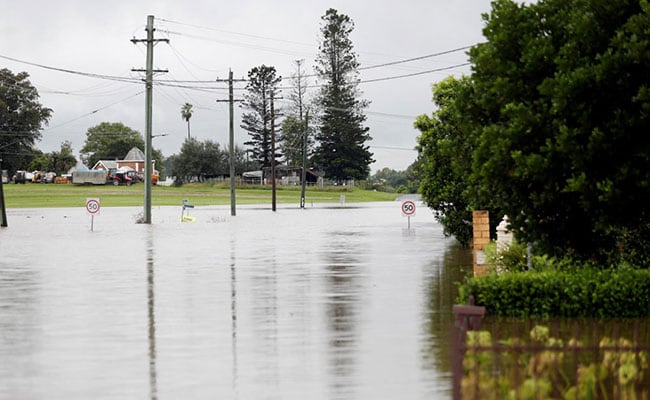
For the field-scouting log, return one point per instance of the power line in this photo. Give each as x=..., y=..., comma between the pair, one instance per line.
x=70, y=71
x=93, y=112
x=393, y=148
x=179, y=84
x=414, y=73
x=416, y=58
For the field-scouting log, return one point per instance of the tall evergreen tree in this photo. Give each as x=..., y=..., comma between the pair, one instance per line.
x=262, y=86
x=342, y=152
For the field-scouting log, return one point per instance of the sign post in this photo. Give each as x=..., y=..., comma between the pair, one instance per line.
x=408, y=210
x=92, y=207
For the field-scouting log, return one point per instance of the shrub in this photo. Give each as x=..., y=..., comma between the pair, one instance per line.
x=512, y=258
x=576, y=293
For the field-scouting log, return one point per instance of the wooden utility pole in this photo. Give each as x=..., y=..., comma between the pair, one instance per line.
x=303, y=178
x=148, y=170
x=3, y=208
x=231, y=134
x=273, y=197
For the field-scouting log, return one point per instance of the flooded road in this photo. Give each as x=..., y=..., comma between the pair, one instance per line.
x=329, y=302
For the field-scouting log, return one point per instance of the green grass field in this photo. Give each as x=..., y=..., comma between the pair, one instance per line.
x=37, y=195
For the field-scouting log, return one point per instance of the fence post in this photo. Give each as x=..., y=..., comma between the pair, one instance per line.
x=466, y=318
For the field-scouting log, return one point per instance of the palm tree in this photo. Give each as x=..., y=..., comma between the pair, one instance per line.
x=186, y=113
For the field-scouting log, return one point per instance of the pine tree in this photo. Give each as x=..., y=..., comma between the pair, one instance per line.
x=262, y=86
x=342, y=153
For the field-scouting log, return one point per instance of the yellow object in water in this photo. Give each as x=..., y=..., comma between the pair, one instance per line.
x=188, y=218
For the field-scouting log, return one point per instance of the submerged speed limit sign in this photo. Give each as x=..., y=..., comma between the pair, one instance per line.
x=92, y=206
x=408, y=208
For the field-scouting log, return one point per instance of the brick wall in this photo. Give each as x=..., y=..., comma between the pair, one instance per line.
x=481, y=223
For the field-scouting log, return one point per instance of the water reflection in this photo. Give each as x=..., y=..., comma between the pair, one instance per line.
x=317, y=303
x=342, y=287
x=264, y=292
x=19, y=308
x=233, y=317
x=441, y=292
x=153, y=386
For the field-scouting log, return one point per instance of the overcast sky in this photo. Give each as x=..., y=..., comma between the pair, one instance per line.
x=206, y=38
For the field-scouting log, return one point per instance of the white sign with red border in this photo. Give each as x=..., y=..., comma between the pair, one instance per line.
x=92, y=206
x=408, y=208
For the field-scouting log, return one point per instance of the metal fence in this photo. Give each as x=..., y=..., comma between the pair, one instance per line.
x=571, y=359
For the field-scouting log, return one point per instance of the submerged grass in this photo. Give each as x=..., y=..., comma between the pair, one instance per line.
x=36, y=195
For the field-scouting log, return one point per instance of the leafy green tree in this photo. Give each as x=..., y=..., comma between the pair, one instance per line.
x=294, y=125
x=445, y=158
x=242, y=161
x=200, y=160
x=342, y=152
x=261, y=88
x=563, y=145
x=57, y=161
x=412, y=177
x=389, y=180
x=63, y=159
x=293, y=132
x=21, y=119
x=110, y=141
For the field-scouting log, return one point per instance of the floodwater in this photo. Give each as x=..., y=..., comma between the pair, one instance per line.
x=329, y=302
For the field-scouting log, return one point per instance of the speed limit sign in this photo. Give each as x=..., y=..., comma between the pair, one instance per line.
x=92, y=206
x=408, y=208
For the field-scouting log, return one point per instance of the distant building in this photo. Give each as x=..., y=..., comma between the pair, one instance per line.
x=290, y=175
x=134, y=160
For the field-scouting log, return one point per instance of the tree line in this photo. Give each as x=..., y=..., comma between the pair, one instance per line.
x=329, y=126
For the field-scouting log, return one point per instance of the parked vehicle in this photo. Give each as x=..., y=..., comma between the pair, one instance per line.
x=43, y=177
x=119, y=178
x=135, y=176
x=21, y=177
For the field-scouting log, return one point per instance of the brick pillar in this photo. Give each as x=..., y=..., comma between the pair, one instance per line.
x=481, y=224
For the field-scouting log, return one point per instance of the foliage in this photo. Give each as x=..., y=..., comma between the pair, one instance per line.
x=293, y=133
x=261, y=88
x=342, y=152
x=21, y=119
x=389, y=180
x=513, y=258
x=200, y=160
x=561, y=109
x=550, y=129
x=59, y=162
x=109, y=141
x=242, y=162
x=296, y=121
x=445, y=150
x=580, y=292
x=547, y=367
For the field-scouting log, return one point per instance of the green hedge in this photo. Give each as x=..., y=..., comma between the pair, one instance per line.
x=623, y=293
